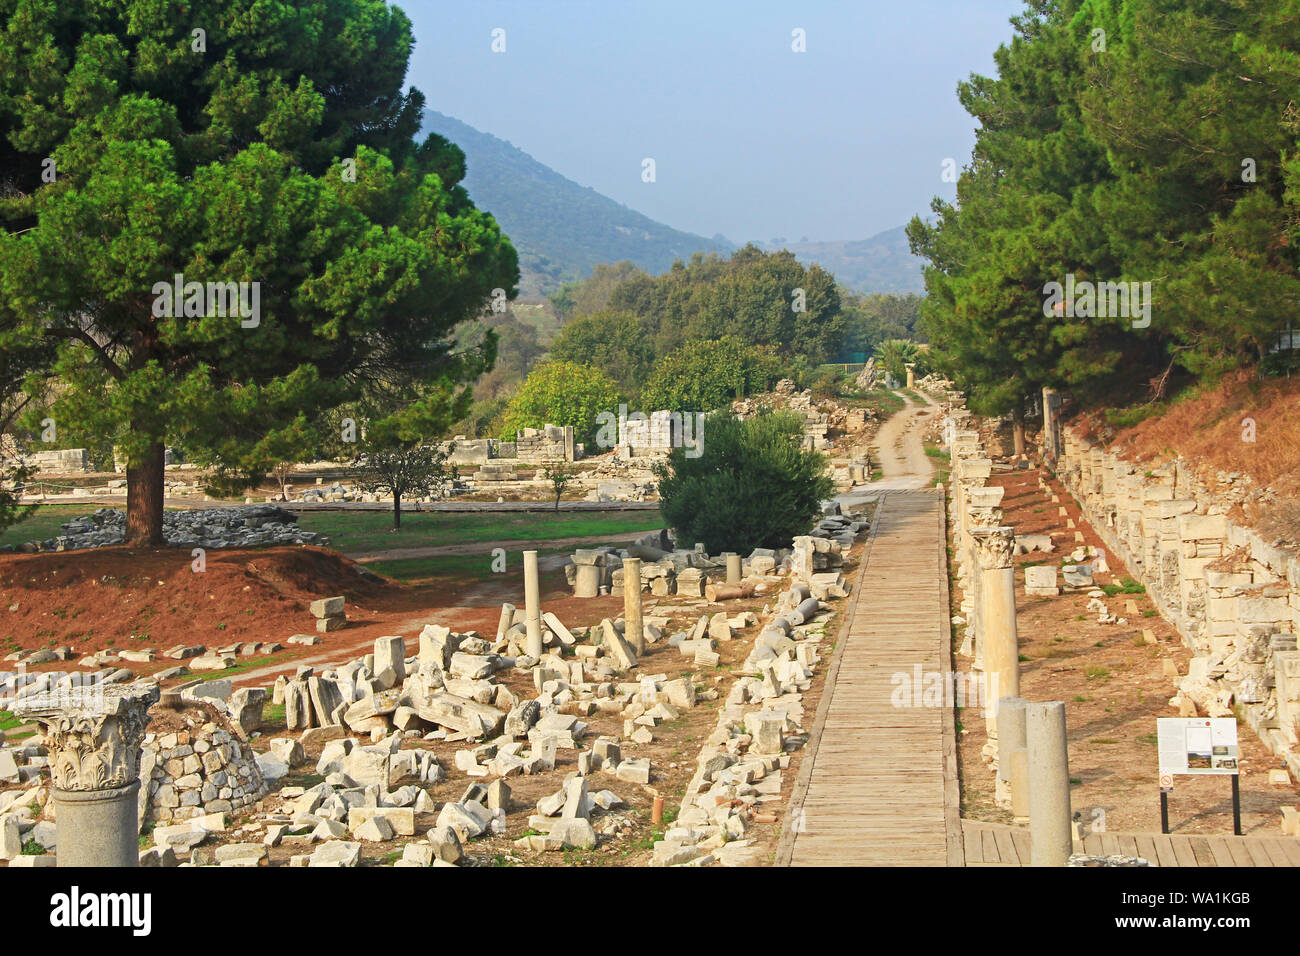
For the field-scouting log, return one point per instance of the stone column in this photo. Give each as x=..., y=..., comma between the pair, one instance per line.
x=532, y=606
x=1050, y=838
x=94, y=736
x=633, y=632
x=1012, y=789
x=735, y=571
x=983, y=510
x=911, y=376
x=997, y=583
x=1051, y=424
x=586, y=582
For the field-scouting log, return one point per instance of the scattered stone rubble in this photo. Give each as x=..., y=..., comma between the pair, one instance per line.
x=740, y=767
x=363, y=712
x=667, y=569
x=213, y=528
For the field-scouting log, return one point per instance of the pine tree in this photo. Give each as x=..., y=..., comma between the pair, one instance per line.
x=261, y=143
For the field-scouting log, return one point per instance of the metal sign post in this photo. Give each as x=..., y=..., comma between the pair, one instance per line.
x=1197, y=746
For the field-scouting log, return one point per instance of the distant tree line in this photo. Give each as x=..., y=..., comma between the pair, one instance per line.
x=700, y=335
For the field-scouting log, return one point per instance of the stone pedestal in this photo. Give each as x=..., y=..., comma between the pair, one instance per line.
x=586, y=581
x=1051, y=839
x=997, y=582
x=1011, y=738
x=94, y=736
x=633, y=631
x=532, y=606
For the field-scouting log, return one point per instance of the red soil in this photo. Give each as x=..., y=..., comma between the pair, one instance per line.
x=131, y=598
x=1208, y=427
x=154, y=597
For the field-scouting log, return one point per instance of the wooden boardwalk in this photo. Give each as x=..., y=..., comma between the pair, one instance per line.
x=878, y=786
x=994, y=844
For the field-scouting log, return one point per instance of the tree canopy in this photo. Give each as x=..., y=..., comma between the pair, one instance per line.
x=1121, y=141
x=701, y=376
x=561, y=393
x=257, y=151
x=751, y=485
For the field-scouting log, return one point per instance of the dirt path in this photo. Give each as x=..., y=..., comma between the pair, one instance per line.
x=900, y=451
x=899, y=448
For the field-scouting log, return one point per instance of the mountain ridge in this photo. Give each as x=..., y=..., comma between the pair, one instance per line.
x=562, y=229
x=559, y=227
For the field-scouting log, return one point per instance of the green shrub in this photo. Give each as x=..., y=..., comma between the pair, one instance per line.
x=704, y=375
x=561, y=393
x=753, y=485
x=827, y=385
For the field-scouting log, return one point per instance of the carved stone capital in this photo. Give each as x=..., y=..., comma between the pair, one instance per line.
x=985, y=517
x=994, y=546
x=94, y=733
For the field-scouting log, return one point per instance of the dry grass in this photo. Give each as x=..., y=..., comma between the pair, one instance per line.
x=1281, y=521
x=1209, y=426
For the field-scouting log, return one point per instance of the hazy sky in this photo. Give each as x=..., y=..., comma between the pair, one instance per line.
x=749, y=138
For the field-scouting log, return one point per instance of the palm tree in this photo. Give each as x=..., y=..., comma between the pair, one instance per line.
x=894, y=355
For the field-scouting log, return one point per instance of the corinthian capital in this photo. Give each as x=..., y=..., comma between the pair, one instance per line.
x=94, y=733
x=994, y=546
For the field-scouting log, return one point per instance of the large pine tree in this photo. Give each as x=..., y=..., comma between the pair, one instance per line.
x=260, y=142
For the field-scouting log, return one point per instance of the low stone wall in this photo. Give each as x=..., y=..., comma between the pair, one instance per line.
x=67, y=461
x=207, y=768
x=552, y=443
x=1234, y=598
x=469, y=451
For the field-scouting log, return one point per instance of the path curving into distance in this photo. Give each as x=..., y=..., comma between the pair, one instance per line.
x=878, y=785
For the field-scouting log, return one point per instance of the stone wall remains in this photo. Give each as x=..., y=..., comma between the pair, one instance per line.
x=206, y=768
x=1234, y=597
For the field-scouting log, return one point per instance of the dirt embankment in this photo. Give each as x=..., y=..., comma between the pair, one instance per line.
x=1241, y=425
x=125, y=598
x=157, y=598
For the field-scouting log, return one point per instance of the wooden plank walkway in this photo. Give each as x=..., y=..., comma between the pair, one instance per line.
x=878, y=786
x=997, y=844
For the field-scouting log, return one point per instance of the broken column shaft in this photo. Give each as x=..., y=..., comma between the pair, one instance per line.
x=532, y=606
x=1050, y=838
x=633, y=630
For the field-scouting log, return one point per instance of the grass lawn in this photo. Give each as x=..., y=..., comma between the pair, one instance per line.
x=373, y=530
x=882, y=400
x=44, y=523
x=476, y=567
